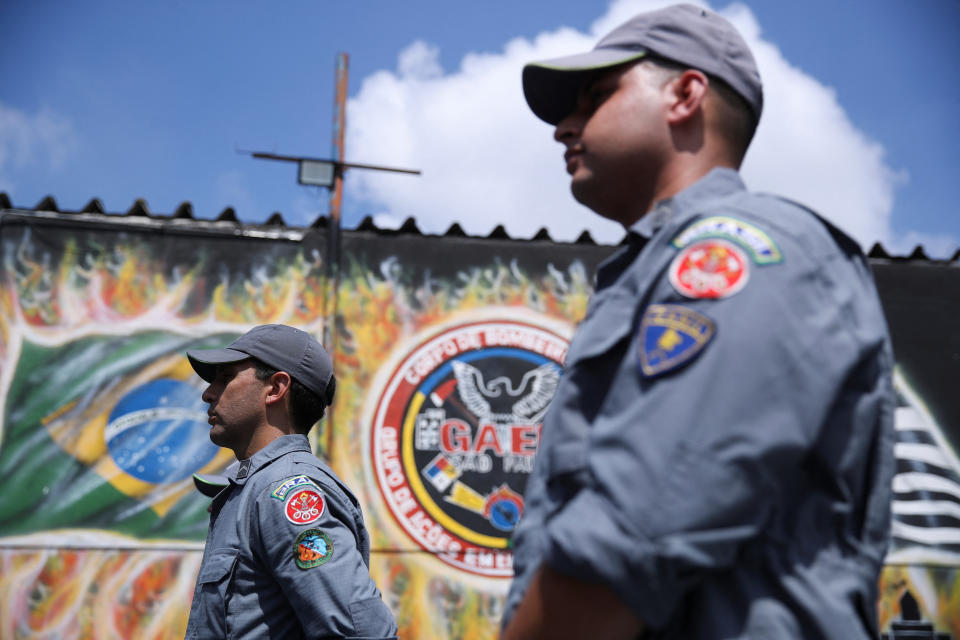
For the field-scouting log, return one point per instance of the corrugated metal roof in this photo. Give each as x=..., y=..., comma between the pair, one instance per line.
x=183, y=216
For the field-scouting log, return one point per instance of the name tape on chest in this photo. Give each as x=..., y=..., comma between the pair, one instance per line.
x=711, y=268
x=312, y=548
x=760, y=246
x=671, y=335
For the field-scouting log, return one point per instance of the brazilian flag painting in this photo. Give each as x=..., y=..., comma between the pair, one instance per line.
x=102, y=424
x=105, y=432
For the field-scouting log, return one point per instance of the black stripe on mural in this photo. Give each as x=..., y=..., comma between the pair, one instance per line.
x=916, y=436
x=900, y=542
x=937, y=521
x=925, y=496
x=908, y=465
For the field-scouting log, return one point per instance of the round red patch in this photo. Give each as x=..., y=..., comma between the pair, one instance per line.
x=712, y=268
x=304, y=506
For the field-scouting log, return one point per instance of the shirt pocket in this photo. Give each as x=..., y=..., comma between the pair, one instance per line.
x=213, y=589
x=595, y=355
x=610, y=318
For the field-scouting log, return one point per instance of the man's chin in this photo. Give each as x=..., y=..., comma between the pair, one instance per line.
x=580, y=188
x=218, y=436
x=584, y=193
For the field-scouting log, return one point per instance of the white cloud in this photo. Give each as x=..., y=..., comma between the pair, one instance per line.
x=44, y=138
x=807, y=149
x=387, y=221
x=486, y=160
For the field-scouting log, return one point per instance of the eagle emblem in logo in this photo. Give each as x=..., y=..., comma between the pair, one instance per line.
x=455, y=434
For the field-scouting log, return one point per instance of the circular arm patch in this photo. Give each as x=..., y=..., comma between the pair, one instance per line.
x=312, y=549
x=304, y=505
x=712, y=268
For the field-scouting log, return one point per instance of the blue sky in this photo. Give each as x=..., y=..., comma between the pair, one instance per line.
x=127, y=100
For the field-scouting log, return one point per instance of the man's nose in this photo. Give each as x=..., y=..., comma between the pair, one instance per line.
x=568, y=129
x=207, y=395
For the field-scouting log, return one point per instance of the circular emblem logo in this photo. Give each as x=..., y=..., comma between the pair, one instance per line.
x=304, y=506
x=455, y=433
x=711, y=268
x=159, y=433
x=312, y=548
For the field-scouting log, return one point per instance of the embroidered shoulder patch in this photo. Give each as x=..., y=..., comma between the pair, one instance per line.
x=671, y=335
x=762, y=248
x=304, y=505
x=712, y=268
x=312, y=549
x=281, y=491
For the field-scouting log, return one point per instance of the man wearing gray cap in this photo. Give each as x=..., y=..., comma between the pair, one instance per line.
x=717, y=460
x=287, y=553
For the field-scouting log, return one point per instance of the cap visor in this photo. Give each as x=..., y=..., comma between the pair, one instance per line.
x=551, y=86
x=205, y=361
x=209, y=484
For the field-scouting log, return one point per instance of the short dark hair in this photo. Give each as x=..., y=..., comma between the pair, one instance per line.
x=738, y=121
x=306, y=407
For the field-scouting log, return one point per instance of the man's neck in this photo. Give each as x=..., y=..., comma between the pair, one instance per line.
x=262, y=437
x=675, y=179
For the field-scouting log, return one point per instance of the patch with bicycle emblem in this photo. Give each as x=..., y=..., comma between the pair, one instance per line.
x=304, y=505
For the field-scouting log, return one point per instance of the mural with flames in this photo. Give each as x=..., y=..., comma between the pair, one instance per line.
x=445, y=354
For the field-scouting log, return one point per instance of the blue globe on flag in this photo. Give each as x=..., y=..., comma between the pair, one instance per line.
x=159, y=433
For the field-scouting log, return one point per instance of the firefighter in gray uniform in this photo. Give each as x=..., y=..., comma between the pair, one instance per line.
x=287, y=552
x=717, y=459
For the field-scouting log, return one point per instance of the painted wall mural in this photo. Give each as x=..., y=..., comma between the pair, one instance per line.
x=920, y=588
x=454, y=435
x=101, y=426
x=447, y=351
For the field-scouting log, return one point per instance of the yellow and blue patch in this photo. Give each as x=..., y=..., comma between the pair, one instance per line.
x=280, y=493
x=312, y=548
x=760, y=246
x=671, y=335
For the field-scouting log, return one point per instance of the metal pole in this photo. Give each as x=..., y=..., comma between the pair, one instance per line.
x=333, y=228
x=339, y=127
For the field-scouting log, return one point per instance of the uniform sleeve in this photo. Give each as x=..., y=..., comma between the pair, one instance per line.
x=310, y=537
x=685, y=462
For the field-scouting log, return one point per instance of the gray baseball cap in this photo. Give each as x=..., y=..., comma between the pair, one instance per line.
x=210, y=484
x=686, y=34
x=275, y=345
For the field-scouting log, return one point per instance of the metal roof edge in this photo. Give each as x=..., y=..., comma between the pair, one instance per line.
x=183, y=219
x=171, y=224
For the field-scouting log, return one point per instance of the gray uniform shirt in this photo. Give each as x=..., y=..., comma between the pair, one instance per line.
x=287, y=555
x=720, y=449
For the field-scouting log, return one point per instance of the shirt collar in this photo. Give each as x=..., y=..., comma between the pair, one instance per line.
x=719, y=181
x=278, y=447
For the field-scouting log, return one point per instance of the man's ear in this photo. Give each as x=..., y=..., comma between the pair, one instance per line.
x=687, y=93
x=278, y=386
